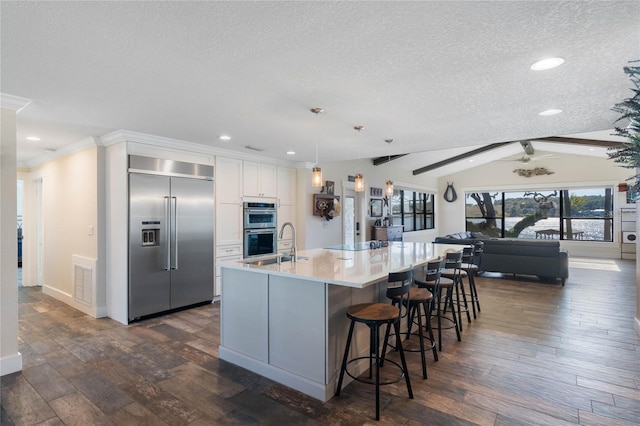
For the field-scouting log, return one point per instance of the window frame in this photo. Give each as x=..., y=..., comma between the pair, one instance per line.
x=500, y=209
x=418, y=208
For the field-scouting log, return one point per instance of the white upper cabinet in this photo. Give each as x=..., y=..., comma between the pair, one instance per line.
x=260, y=180
x=228, y=180
x=286, y=185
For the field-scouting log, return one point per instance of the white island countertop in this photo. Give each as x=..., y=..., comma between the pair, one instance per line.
x=350, y=268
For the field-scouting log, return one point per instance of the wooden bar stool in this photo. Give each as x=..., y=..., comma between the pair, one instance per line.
x=468, y=266
x=453, y=271
x=436, y=284
x=419, y=304
x=374, y=315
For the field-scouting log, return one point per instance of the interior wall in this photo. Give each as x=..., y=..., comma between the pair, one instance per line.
x=10, y=358
x=569, y=172
x=117, y=231
x=318, y=232
x=71, y=223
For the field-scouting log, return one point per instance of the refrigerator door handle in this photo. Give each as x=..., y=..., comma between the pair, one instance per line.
x=174, y=239
x=167, y=215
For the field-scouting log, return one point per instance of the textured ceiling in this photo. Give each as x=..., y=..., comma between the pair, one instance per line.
x=430, y=75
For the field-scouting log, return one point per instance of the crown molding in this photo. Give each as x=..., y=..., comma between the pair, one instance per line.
x=72, y=148
x=13, y=102
x=175, y=144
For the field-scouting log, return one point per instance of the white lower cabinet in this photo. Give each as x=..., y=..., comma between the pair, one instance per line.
x=223, y=254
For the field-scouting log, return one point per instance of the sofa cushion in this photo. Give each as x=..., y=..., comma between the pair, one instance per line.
x=523, y=247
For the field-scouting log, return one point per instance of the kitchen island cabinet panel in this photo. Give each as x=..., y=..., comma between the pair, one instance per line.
x=245, y=328
x=297, y=327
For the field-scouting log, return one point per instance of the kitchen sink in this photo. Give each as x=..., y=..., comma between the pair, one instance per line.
x=270, y=260
x=287, y=257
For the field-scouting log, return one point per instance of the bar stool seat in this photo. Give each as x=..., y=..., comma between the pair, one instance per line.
x=375, y=315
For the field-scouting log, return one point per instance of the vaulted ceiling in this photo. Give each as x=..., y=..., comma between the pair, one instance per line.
x=433, y=76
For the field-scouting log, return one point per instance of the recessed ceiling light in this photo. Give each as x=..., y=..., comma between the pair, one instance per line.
x=547, y=64
x=224, y=138
x=33, y=138
x=592, y=149
x=551, y=112
x=291, y=153
x=471, y=161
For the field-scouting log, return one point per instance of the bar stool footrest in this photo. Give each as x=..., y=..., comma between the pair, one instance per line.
x=371, y=381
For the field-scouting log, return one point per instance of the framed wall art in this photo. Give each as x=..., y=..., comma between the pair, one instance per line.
x=376, y=208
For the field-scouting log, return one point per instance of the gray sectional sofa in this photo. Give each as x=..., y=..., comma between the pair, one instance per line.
x=516, y=256
x=519, y=256
x=466, y=237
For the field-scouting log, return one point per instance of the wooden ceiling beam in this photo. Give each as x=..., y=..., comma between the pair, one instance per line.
x=577, y=141
x=459, y=157
x=384, y=160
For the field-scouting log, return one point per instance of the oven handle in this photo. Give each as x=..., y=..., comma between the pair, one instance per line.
x=261, y=231
x=260, y=211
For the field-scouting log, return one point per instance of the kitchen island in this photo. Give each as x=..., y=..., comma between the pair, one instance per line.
x=287, y=320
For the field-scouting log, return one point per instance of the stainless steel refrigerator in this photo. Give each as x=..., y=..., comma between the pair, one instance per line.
x=170, y=235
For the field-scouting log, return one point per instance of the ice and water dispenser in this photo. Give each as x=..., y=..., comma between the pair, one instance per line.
x=150, y=233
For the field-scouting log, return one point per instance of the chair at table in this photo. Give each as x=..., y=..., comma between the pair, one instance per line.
x=435, y=283
x=374, y=315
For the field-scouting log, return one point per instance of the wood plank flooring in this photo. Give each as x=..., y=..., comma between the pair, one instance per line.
x=538, y=354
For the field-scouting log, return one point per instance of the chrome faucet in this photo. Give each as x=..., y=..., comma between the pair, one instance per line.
x=293, y=236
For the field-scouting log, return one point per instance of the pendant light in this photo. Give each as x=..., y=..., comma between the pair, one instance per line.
x=316, y=173
x=316, y=177
x=359, y=181
x=389, y=189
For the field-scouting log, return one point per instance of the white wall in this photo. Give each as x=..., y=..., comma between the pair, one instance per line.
x=569, y=172
x=72, y=225
x=317, y=232
x=10, y=358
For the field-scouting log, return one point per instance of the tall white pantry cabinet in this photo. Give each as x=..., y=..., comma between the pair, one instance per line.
x=286, y=205
x=228, y=214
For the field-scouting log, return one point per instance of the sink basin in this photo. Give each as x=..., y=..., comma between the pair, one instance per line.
x=270, y=260
x=261, y=261
x=287, y=258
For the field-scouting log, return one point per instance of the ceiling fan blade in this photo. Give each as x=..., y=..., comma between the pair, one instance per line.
x=540, y=157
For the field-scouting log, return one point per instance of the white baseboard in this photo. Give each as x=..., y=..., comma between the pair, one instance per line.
x=10, y=364
x=99, y=312
x=299, y=383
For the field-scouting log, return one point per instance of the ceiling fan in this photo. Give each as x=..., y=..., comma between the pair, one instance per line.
x=529, y=158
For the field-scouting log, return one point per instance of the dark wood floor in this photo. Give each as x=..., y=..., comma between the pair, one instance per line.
x=538, y=354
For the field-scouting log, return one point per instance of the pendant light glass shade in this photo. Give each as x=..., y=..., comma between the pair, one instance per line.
x=316, y=177
x=359, y=183
x=389, y=190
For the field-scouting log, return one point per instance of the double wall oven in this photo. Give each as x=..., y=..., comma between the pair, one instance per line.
x=260, y=229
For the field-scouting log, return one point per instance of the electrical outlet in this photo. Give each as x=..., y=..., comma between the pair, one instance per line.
x=90, y=230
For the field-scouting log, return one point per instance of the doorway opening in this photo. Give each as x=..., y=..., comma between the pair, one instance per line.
x=19, y=202
x=349, y=217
